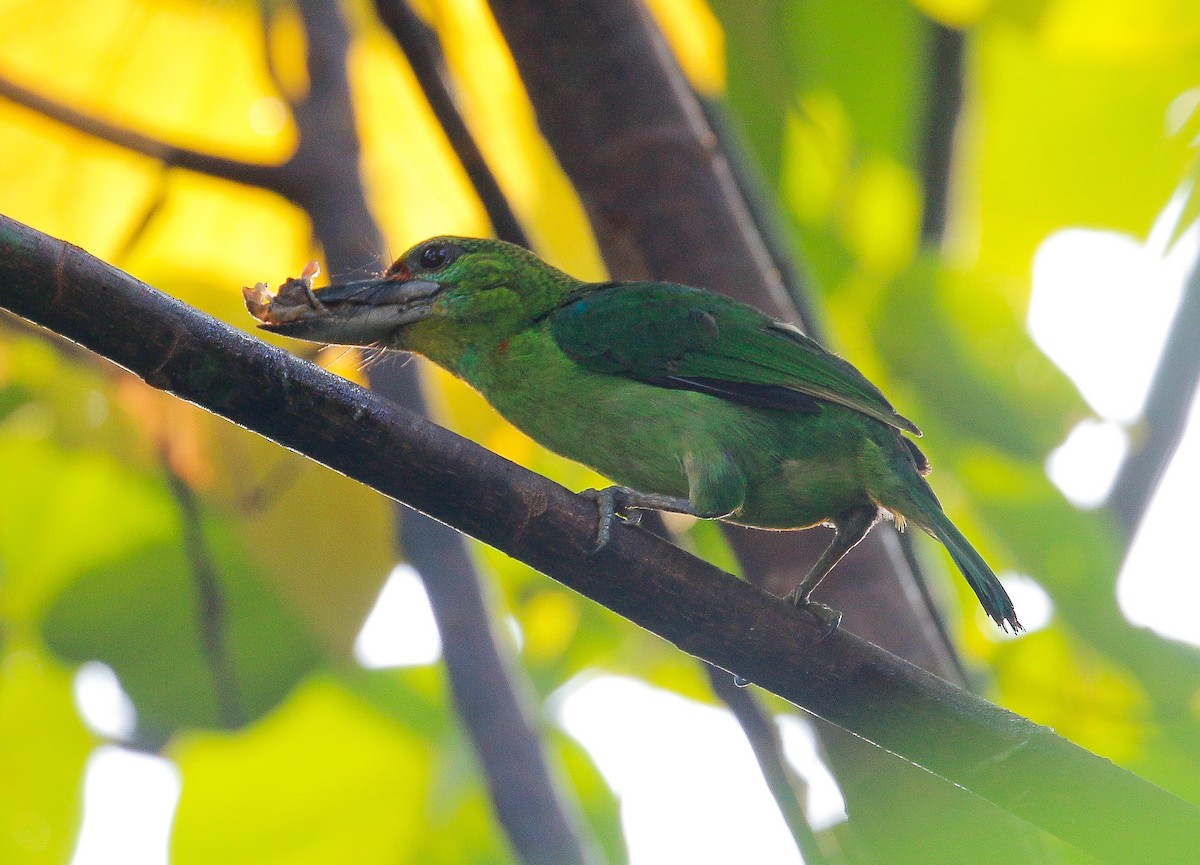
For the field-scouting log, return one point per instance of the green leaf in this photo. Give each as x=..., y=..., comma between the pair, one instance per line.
x=139, y=614
x=65, y=511
x=1069, y=126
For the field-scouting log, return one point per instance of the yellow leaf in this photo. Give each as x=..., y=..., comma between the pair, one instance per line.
x=883, y=215
x=696, y=37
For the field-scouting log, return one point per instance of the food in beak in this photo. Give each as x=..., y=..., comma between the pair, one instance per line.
x=359, y=312
x=293, y=300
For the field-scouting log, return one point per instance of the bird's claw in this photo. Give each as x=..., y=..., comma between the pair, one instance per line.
x=611, y=504
x=606, y=505
x=826, y=615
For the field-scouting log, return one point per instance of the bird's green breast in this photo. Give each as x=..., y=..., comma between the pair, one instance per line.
x=797, y=468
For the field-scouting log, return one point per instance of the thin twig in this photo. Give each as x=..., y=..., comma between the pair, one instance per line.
x=763, y=213
x=943, y=106
x=211, y=617
x=150, y=211
x=274, y=177
x=421, y=48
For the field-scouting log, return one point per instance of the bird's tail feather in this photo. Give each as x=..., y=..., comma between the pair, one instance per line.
x=983, y=580
x=930, y=517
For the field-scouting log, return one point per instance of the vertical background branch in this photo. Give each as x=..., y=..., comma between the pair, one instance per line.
x=495, y=710
x=1168, y=404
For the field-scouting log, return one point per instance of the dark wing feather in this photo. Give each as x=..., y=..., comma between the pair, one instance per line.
x=678, y=337
x=743, y=393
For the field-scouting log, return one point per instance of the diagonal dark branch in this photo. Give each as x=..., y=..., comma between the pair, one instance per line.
x=1172, y=392
x=1026, y=769
x=274, y=177
x=421, y=48
x=210, y=604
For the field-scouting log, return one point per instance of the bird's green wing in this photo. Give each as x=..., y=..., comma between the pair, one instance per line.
x=679, y=337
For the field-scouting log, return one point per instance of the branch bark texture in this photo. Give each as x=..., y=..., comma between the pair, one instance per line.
x=1023, y=768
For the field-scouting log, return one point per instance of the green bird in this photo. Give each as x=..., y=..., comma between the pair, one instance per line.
x=691, y=401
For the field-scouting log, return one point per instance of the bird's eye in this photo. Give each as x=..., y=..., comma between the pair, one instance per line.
x=433, y=257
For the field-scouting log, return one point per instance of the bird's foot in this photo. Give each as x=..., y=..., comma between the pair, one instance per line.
x=826, y=615
x=612, y=502
x=628, y=503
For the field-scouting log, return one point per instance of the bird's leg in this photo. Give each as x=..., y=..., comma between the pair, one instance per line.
x=849, y=528
x=626, y=503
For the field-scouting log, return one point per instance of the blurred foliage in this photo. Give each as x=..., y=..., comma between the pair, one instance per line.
x=1064, y=123
x=1067, y=122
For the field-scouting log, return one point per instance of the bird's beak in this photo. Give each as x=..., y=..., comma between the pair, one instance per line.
x=363, y=312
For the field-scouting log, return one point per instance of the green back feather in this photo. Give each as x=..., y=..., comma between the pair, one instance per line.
x=668, y=334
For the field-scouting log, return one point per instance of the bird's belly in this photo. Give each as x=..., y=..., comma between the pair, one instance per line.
x=619, y=429
x=799, y=469
x=798, y=494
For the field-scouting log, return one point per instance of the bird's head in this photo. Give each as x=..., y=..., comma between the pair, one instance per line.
x=443, y=297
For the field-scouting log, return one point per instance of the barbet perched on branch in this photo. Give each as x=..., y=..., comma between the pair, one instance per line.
x=695, y=403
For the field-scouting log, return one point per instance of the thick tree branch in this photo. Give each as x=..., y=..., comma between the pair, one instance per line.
x=421, y=48
x=1022, y=767
x=1164, y=418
